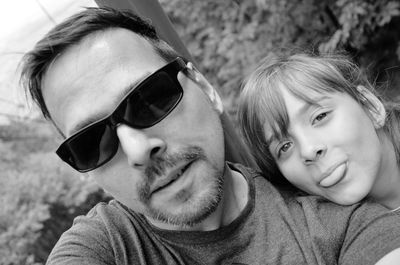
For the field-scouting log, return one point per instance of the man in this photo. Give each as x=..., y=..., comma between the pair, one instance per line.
x=144, y=123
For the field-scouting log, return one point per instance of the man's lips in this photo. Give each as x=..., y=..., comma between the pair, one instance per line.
x=171, y=177
x=333, y=175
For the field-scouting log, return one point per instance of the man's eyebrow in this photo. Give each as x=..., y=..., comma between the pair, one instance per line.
x=99, y=116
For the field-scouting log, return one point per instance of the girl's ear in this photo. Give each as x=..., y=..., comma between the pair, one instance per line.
x=207, y=88
x=375, y=107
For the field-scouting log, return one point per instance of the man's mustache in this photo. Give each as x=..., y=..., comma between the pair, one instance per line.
x=160, y=164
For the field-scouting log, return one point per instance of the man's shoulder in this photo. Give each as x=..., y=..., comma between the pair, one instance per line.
x=299, y=203
x=107, y=209
x=245, y=170
x=110, y=215
x=107, y=229
x=266, y=183
x=366, y=227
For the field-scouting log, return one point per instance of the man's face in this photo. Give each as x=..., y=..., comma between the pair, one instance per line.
x=171, y=172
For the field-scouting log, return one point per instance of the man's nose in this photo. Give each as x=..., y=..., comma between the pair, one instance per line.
x=138, y=146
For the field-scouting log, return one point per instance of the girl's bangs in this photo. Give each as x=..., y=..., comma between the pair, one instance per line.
x=309, y=87
x=273, y=109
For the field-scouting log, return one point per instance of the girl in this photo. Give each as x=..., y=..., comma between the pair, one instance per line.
x=316, y=121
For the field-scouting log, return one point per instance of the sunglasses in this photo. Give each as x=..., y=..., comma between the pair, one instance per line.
x=144, y=106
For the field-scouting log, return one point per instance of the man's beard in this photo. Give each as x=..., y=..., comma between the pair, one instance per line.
x=196, y=208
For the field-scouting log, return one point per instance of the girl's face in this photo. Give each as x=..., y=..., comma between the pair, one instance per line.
x=332, y=148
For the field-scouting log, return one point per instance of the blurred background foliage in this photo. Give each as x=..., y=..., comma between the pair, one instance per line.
x=228, y=38
x=40, y=196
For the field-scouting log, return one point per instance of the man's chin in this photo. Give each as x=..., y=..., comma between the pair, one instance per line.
x=185, y=220
x=190, y=213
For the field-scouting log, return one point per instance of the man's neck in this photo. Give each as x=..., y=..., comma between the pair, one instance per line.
x=234, y=200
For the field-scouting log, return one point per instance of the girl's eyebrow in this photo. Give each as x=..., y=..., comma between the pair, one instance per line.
x=306, y=106
x=270, y=138
x=312, y=103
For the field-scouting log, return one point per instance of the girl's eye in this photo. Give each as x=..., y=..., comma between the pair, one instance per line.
x=284, y=148
x=320, y=117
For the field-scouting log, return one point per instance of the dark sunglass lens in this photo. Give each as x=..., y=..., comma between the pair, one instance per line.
x=151, y=102
x=91, y=148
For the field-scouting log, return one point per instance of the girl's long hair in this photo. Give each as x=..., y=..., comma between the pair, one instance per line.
x=262, y=110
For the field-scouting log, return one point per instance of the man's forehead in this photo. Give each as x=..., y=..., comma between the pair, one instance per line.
x=96, y=74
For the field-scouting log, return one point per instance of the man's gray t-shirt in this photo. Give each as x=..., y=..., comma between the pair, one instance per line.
x=275, y=227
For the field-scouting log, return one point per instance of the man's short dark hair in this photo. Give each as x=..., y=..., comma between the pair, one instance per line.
x=70, y=32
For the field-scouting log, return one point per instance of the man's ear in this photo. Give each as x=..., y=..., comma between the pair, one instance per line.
x=375, y=107
x=207, y=88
